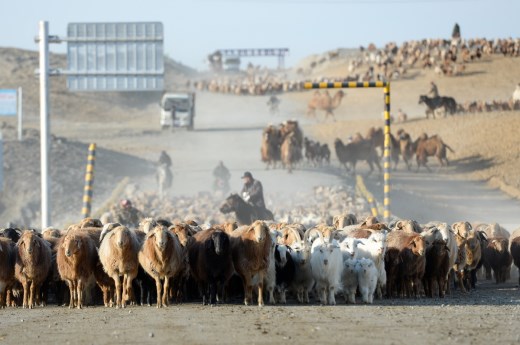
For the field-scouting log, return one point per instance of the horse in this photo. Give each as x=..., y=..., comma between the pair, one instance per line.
x=164, y=178
x=448, y=103
x=245, y=213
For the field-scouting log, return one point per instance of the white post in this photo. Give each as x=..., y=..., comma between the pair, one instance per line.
x=44, y=122
x=20, y=113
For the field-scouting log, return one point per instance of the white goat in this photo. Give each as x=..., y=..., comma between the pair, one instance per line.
x=367, y=279
x=374, y=248
x=349, y=279
x=348, y=247
x=327, y=265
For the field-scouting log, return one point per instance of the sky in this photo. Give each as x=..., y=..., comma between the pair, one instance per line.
x=195, y=28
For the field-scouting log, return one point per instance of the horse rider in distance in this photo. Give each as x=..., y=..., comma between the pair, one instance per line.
x=252, y=192
x=434, y=91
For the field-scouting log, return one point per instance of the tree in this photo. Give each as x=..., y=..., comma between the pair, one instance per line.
x=456, y=31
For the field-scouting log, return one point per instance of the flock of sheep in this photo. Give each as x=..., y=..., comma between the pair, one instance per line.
x=446, y=57
x=185, y=261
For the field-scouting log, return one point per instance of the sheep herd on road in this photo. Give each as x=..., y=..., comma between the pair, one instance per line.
x=165, y=261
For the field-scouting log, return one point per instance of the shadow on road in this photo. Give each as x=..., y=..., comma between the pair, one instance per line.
x=229, y=129
x=472, y=163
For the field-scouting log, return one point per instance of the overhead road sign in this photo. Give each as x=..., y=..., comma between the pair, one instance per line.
x=115, y=56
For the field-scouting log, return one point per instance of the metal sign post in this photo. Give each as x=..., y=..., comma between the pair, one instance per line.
x=20, y=114
x=44, y=122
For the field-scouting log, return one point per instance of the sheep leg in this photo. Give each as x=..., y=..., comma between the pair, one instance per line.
x=165, y=299
x=32, y=297
x=460, y=277
x=25, y=294
x=332, y=297
x=282, y=296
x=117, y=281
x=260, y=289
x=129, y=289
x=158, y=286
x=323, y=295
x=248, y=289
x=212, y=292
x=3, y=292
x=79, y=294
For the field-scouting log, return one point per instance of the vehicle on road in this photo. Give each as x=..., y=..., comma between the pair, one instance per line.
x=177, y=110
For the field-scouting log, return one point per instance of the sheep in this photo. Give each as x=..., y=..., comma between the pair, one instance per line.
x=437, y=267
x=408, y=225
x=161, y=256
x=349, y=279
x=33, y=262
x=367, y=276
x=460, y=230
x=373, y=248
x=515, y=249
x=404, y=260
x=251, y=247
x=12, y=233
x=449, y=237
x=76, y=259
x=343, y=220
x=211, y=262
x=184, y=233
x=289, y=235
x=7, y=263
x=494, y=230
x=497, y=256
x=473, y=250
x=285, y=270
x=327, y=265
x=303, y=280
x=118, y=255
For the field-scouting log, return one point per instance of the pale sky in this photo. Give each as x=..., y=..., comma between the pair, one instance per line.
x=195, y=28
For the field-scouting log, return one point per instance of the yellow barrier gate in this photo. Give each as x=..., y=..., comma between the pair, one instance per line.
x=89, y=181
x=386, y=156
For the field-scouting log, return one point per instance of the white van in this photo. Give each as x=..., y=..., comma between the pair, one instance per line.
x=180, y=103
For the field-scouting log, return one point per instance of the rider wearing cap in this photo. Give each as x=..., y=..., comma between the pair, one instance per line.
x=128, y=215
x=252, y=192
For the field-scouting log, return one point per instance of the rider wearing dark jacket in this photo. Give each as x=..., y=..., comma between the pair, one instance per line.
x=165, y=159
x=252, y=192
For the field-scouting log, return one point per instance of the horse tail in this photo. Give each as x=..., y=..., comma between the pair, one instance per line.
x=449, y=148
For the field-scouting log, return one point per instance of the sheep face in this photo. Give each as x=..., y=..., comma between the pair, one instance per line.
x=418, y=246
x=364, y=265
x=348, y=247
x=181, y=231
x=259, y=230
x=280, y=255
x=378, y=239
x=350, y=266
x=28, y=242
x=160, y=235
x=500, y=245
x=431, y=236
x=301, y=252
x=71, y=245
x=220, y=241
x=121, y=237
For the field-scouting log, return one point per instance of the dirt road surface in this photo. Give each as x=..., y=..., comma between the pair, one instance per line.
x=487, y=316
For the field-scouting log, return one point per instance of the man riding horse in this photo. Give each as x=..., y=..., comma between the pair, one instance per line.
x=252, y=192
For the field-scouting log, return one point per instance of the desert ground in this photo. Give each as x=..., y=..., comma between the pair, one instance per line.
x=481, y=184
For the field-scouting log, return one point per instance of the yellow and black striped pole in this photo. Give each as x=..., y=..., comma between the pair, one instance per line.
x=386, y=156
x=89, y=181
x=386, y=163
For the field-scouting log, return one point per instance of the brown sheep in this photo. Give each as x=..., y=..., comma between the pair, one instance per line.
x=227, y=227
x=473, y=258
x=90, y=223
x=7, y=262
x=515, y=249
x=162, y=257
x=184, y=233
x=408, y=225
x=461, y=232
x=437, y=268
x=118, y=255
x=251, y=248
x=290, y=235
x=76, y=258
x=33, y=262
x=341, y=221
x=497, y=256
x=404, y=262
